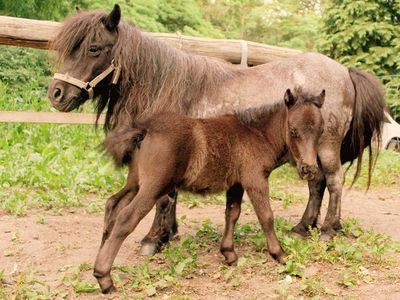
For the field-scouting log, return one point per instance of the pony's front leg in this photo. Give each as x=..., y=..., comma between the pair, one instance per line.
x=232, y=212
x=164, y=225
x=332, y=168
x=310, y=217
x=125, y=223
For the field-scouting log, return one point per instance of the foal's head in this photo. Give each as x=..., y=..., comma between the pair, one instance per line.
x=85, y=48
x=304, y=127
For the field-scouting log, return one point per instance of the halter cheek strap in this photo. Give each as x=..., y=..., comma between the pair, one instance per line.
x=89, y=86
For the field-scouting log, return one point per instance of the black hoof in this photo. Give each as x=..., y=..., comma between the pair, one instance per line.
x=149, y=248
x=109, y=290
x=231, y=258
x=279, y=257
x=300, y=230
x=327, y=233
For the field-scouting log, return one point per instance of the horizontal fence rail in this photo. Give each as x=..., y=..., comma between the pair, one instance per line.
x=48, y=117
x=39, y=34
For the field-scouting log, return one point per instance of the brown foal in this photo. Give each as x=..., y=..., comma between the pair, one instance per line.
x=235, y=152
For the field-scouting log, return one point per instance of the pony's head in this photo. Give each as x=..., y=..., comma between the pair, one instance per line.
x=304, y=127
x=85, y=45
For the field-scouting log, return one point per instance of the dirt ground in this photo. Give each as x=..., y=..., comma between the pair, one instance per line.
x=73, y=238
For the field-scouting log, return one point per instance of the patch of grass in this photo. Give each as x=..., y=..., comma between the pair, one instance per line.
x=386, y=172
x=79, y=285
x=286, y=198
x=351, y=258
x=54, y=166
x=26, y=285
x=194, y=200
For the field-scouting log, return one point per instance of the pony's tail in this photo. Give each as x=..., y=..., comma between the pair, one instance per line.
x=120, y=144
x=368, y=117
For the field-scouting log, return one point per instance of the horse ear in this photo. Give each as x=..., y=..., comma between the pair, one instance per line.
x=320, y=99
x=290, y=100
x=112, y=20
x=78, y=9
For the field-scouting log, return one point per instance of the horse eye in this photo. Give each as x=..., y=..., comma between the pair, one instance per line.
x=94, y=50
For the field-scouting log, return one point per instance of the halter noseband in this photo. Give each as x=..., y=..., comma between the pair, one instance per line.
x=89, y=86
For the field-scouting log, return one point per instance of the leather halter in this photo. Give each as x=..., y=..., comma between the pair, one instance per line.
x=89, y=86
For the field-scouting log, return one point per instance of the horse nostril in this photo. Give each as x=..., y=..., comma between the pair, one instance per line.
x=304, y=169
x=57, y=94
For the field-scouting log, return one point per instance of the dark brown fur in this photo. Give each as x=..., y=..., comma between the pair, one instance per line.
x=233, y=153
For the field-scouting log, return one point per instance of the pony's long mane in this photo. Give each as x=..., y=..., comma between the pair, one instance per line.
x=154, y=76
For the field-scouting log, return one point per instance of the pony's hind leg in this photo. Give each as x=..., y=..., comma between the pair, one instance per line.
x=310, y=217
x=164, y=225
x=259, y=197
x=233, y=205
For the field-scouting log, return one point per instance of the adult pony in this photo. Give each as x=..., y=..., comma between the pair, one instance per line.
x=128, y=73
x=233, y=153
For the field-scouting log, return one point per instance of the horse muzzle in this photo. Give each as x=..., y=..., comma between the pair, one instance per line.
x=307, y=172
x=63, y=97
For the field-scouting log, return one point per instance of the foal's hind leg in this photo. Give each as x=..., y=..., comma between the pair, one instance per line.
x=113, y=206
x=119, y=200
x=164, y=225
x=125, y=223
x=310, y=217
x=233, y=205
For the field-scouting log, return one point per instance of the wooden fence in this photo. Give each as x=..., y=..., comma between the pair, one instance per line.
x=38, y=34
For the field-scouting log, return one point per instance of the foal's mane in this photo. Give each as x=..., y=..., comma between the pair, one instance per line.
x=154, y=76
x=257, y=116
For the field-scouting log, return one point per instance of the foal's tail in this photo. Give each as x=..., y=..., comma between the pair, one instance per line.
x=120, y=144
x=368, y=117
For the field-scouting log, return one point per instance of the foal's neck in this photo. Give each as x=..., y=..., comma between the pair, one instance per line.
x=274, y=131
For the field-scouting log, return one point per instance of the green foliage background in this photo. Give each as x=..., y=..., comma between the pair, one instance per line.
x=359, y=33
x=52, y=166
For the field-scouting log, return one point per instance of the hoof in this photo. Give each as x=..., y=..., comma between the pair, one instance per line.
x=109, y=290
x=300, y=230
x=280, y=258
x=231, y=258
x=293, y=233
x=327, y=234
x=149, y=249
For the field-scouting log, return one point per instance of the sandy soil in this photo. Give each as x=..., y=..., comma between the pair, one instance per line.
x=73, y=238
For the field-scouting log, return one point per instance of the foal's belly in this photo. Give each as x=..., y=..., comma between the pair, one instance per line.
x=206, y=184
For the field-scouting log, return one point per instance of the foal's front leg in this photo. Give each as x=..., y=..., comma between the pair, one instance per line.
x=259, y=197
x=125, y=223
x=232, y=212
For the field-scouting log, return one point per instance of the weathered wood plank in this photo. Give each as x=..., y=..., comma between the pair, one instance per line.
x=37, y=34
